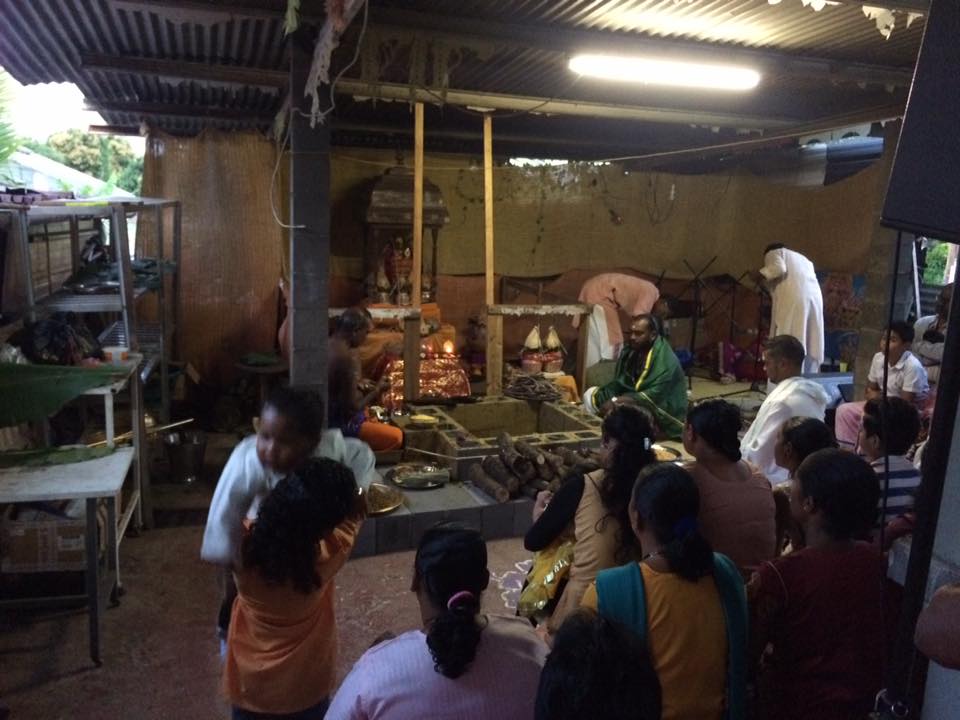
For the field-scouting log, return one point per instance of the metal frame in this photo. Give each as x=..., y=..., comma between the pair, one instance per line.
x=125, y=331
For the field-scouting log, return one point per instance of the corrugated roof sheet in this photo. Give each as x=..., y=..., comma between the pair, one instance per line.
x=43, y=41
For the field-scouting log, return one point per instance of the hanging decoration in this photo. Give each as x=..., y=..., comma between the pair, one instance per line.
x=884, y=18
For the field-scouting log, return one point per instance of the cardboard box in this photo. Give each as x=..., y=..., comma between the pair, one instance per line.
x=45, y=545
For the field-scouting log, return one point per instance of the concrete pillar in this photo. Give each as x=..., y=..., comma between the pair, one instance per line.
x=310, y=227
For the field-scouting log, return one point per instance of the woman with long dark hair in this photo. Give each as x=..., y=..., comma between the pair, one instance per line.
x=593, y=508
x=737, y=511
x=281, y=647
x=686, y=602
x=463, y=663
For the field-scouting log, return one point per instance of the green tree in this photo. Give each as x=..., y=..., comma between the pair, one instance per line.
x=8, y=138
x=42, y=148
x=105, y=157
x=936, y=268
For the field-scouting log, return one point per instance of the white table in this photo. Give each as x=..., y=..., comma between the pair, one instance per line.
x=89, y=480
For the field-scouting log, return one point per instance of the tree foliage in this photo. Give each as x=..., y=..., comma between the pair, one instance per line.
x=108, y=158
x=936, y=268
x=8, y=138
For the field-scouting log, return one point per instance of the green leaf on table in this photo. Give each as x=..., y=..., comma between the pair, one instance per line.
x=32, y=392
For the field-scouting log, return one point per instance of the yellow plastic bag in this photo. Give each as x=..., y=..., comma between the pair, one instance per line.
x=551, y=566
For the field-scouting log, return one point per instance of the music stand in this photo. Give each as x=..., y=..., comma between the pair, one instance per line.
x=697, y=284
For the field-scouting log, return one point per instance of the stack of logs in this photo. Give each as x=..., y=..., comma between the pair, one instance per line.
x=521, y=469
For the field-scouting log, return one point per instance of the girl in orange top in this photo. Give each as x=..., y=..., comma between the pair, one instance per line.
x=282, y=647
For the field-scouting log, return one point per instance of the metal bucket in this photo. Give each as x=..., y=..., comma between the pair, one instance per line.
x=185, y=455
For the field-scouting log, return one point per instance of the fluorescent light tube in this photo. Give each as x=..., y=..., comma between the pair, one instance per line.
x=665, y=72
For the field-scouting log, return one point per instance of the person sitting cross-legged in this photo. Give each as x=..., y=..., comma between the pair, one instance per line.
x=793, y=396
x=906, y=378
x=685, y=602
x=821, y=609
x=462, y=663
x=647, y=374
x=737, y=511
x=885, y=448
x=597, y=668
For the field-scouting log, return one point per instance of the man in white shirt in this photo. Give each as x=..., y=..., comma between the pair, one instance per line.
x=906, y=378
x=792, y=396
x=797, y=300
x=930, y=333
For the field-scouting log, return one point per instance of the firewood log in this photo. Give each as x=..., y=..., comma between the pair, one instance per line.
x=529, y=491
x=538, y=484
x=522, y=467
x=494, y=466
x=576, y=460
x=554, y=461
x=491, y=487
x=530, y=452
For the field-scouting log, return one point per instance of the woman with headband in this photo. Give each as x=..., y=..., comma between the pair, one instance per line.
x=462, y=663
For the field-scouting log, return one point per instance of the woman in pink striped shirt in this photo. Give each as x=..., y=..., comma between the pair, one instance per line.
x=462, y=664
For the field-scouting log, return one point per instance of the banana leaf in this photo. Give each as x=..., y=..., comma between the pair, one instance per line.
x=31, y=392
x=51, y=456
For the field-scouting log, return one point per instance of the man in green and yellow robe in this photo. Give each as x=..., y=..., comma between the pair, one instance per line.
x=648, y=374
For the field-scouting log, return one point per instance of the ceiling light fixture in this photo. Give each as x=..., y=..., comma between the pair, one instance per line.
x=665, y=72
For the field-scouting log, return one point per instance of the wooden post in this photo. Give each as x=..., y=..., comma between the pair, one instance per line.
x=417, y=205
x=488, y=206
x=582, y=353
x=494, y=323
x=494, y=354
x=310, y=231
x=411, y=357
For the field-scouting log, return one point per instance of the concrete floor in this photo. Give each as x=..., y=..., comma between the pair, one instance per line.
x=159, y=649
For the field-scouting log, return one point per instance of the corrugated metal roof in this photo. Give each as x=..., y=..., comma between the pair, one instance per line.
x=43, y=41
x=839, y=30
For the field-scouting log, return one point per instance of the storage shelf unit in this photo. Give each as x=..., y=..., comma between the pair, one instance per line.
x=153, y=342
x=149, y=341
x=62, y=301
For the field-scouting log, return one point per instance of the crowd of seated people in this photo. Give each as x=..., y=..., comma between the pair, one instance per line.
x=693, y=591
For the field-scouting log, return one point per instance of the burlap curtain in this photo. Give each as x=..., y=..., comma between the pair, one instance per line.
x=231, y=246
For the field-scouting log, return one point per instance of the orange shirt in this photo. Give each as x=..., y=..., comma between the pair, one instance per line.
x=687, y=639
x=282, y=646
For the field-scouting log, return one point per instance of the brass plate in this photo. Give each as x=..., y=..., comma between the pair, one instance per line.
x=382, y=499
x=418, y=477
x=666, y=454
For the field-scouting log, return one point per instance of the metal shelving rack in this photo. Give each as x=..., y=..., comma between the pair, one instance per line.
x=153, y=342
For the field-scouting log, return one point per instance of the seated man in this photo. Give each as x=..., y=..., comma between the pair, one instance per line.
x=792, y=396
x=610, y=293
x=648, y=374
x=347, y=404
x=906, y=378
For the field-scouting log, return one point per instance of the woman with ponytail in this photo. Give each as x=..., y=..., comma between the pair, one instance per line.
x=593, y=508
x=737, y=510
x=684, y=601
x=462, y=664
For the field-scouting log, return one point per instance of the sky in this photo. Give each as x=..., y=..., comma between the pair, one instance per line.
x=39, y=111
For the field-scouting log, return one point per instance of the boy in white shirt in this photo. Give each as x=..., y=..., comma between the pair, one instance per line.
x=906, y=378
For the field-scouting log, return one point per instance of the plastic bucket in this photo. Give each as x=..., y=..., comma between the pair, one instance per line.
x=185, y=452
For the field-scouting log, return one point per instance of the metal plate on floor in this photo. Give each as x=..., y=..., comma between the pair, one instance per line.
x=382, y=499
x=418, y=477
